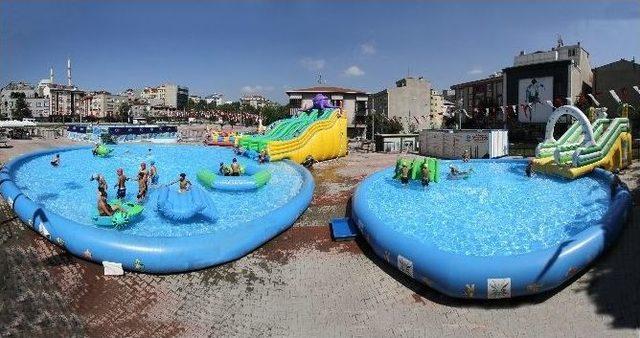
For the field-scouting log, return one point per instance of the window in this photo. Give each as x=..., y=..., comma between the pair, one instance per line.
x=295, y=103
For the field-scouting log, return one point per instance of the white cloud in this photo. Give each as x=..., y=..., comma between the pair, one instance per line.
x=256, y=89
x=354, y=71
x=313, y=64
x=475, y=71
x=368, y=48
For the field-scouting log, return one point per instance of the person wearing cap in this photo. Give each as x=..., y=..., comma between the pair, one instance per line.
x=121, y=186
x=143, y=176
x=153, y=173
x=235, y=167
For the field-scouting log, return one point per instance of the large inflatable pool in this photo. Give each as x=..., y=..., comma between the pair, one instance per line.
x=496, y=234
x=60, y=203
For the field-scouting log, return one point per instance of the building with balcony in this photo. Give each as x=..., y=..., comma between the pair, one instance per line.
x=102, y=104
x=353, y=102
x=477, y=96
x=409, y=101
x=255, y=101
x=166, y=95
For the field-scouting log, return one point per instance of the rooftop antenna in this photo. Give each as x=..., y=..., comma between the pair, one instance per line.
x=51, y=74
x=319, y=78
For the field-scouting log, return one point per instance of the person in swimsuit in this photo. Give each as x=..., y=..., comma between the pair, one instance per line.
x=95, y=149
x=235, y=167
x=529, y=169
x=183, y=182
x=56, y=160
x=224, y=171
x=143, y=177
x=104, y=209
x=404, y=174
x=425, y=175
x=122, y=188
x=102, y=183
x=465, y=156
x=153, y=173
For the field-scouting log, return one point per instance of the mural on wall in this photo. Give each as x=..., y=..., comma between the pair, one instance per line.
x=532, y=96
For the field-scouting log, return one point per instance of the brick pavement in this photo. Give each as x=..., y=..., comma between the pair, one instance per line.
x=299, y=284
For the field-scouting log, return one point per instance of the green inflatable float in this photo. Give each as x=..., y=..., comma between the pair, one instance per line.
x=119, y=218
x=103, y=151
x=415, y=168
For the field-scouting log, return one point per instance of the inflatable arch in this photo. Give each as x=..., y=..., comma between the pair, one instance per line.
x=587, y=129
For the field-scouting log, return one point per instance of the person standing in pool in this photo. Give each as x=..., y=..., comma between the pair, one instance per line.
x=425, y=175
x=102, y=183
x=153, y=173
x=224, y=171
x=55, y=161
x=465, y=156
x=184, y=183
x=529, y=169
x=404, y=174
x=235, y=167
x=121, y=185
x=143, y=177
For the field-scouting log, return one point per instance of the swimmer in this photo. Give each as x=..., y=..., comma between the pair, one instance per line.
x=529, y=169
x=183, y=182
x=142, y=183
x=454, y=171
x=425, y=175
x=465, y=156
x=122, y=188
x=104, y=209
x=404, y=174
x=55, y=161
x=153, y=173
x=224, y=171
x=95, y=149
x=262, y=157
x=235, y=167
x=102, y=183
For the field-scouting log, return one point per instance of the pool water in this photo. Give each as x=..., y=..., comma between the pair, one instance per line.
x=496, y=211
x=68, y=191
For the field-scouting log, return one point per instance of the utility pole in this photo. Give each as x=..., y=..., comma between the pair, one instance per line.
x=373, y=117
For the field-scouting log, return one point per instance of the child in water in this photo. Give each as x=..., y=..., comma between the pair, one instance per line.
x=235, y=167
x=465, y=156
x=56, y=160
x=143, y=176
x=425, y=175
x=184, y=183
x=153, y=173
x=404, y=174
x=122, y=188
x=529, y=169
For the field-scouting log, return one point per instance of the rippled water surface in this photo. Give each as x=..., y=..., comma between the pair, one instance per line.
x=496, y=211
x=68, y=191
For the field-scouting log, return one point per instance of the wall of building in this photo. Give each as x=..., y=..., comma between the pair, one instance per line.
x=410, y=102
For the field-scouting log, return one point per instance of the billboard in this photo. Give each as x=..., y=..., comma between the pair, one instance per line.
x=532, y=96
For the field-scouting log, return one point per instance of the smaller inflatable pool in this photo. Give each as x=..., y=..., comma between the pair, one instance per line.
x=180, y=206
x=253, y=177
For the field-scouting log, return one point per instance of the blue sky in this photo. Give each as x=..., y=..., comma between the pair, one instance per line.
x=268, y=47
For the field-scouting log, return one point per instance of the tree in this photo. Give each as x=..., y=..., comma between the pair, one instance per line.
x=21, y=109
x=272, y=113
x=123, y=111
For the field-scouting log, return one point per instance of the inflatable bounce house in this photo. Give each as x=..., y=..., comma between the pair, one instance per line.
x=222, y=138
x=586, y=145
x=319, y=132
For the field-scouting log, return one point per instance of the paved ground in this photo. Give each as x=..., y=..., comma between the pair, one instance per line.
x=299, y=284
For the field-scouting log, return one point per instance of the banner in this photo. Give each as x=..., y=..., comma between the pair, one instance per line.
x=532, y=95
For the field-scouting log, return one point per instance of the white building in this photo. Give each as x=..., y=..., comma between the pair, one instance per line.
x=102, y=104
x=255, y=101
x=216, y=98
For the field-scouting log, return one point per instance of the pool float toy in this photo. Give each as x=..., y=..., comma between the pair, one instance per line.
x=119, y=218
x=103, y=151
x=252, y=177
x=415, y=168
x=605, y=143
x=181, y=206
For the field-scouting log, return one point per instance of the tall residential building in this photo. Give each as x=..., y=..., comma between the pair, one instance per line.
x=409, y=101
x=64, y=101
x=352, y=101
x=555, y=75
x=102, y=104
x=166, y=95
x=437, y=110
x=255, y=101
x=37, y=104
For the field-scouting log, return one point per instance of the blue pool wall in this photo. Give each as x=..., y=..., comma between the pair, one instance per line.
x=152, y=254
x=463, y=276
